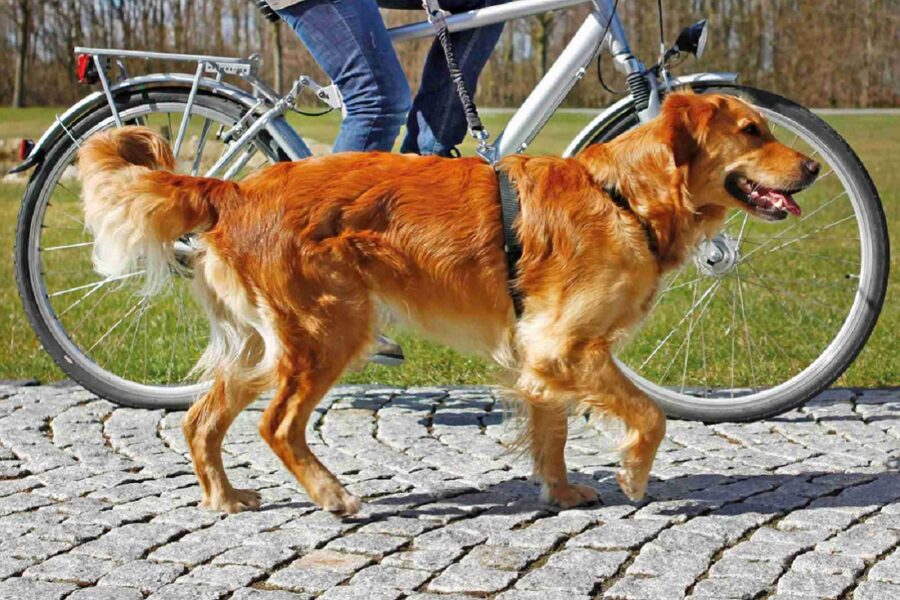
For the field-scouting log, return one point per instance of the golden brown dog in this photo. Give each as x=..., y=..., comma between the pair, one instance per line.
x=296, y=260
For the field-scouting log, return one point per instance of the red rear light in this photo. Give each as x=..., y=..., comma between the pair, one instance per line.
x=86, y=69
x=25, y=148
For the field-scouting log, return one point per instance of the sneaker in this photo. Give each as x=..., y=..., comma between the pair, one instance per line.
x=387, y=352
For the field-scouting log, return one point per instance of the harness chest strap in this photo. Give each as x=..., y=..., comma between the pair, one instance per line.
x=509, y=210
x=512, y=247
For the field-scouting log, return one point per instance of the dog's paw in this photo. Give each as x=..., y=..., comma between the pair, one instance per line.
x=631, y=486
x=234, y=502
x=568, y=496
x=338, y=501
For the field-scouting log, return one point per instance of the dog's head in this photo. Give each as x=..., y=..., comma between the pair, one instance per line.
x=732, y=158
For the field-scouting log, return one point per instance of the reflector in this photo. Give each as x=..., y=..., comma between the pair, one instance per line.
x=25, y=148
x=87, y=70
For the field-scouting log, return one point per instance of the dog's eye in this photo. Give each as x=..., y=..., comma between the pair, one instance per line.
x=751, y=129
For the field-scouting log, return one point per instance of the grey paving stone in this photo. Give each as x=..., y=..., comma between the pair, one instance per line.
x=539, y=595
x=865, y=541
x=448, y=537
x=357, y=592
x=266, y=557
x=505, y=558
x=800, y=506
x=428, y=560
x=876, y=590
x=231, y=577
x=766, y=571
x=729, y=588
x=106, y=593
x=820, y=585
x=145, y=575
x=647, y=588
x=828, y=564
x=255, y=594
x=470, y=579
x=72, y=568
x=370, y=544
x=31, y=589
x=189, y=591
x=887, y=570
x=390, y=577
x=312, y=580
x=618, y=535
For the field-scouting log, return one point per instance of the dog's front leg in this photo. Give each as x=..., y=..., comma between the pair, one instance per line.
x=645, y=424
x=549, y=430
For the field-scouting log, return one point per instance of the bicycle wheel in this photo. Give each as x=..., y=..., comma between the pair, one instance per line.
x=766, y=315
x=129, y=349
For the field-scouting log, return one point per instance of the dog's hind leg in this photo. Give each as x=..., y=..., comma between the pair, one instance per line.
x=204, y=429
x=313, y=361
x=549, y=430
x=283, y=426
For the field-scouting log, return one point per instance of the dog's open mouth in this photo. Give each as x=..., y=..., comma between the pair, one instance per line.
x=769, y=203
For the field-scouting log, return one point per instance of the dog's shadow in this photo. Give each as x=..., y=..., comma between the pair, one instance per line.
x=688, y=496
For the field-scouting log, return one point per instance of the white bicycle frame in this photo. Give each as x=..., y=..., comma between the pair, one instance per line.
x=266, y=107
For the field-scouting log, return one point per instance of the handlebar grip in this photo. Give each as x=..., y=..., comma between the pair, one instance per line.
x=267, y=11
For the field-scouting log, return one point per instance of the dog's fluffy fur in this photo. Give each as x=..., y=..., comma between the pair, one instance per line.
x=296, y=260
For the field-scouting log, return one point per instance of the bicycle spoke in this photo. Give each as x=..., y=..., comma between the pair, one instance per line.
x=97, y=286
x=687, y=353
x=710, y=290
x=116, y=324
x=101, y=282
x=67, y=246
x=747, y=338
x=799, y=238
x=795, y=224
x=686, y=339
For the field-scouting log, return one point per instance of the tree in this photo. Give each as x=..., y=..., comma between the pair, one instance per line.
x=541, y=32
x=278, y=55
x=23, y=31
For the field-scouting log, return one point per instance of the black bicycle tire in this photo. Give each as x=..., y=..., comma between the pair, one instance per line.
x=860, y=177
x=23, y=269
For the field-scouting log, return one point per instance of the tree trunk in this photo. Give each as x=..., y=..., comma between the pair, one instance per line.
x=277, y=52
x=23, y=30
x=542, y=31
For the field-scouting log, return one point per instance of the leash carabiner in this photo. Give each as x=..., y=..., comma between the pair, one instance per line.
x=438, y=19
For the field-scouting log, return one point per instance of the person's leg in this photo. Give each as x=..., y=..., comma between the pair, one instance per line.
x=437, y=122
x=350, y=42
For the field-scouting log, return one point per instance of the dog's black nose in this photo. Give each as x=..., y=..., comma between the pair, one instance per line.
x=812, y=168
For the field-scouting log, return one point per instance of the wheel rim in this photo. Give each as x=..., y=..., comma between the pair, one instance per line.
x=142, y=346
x=765, y=308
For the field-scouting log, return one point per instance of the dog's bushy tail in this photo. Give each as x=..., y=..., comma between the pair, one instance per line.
x=137, y=208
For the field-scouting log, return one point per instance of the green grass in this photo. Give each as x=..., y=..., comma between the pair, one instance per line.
x=795, y=299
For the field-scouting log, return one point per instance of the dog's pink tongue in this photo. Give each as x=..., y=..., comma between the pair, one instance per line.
x=787, y=201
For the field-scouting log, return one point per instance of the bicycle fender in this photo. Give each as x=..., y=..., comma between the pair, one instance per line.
x=97, y=101
x=626, y=105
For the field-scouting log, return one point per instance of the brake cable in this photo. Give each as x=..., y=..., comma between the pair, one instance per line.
x=600, y=54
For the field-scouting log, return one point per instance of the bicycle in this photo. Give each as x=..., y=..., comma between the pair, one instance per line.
x=713, y=349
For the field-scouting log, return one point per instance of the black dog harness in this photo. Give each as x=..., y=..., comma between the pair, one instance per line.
x=512, y=246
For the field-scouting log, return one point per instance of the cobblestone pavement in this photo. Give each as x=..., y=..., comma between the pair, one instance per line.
x=99, y=502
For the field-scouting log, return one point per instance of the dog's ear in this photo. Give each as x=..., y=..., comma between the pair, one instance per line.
x=688, y=117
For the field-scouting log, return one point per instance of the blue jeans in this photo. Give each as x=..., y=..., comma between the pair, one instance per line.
x=350, y=42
